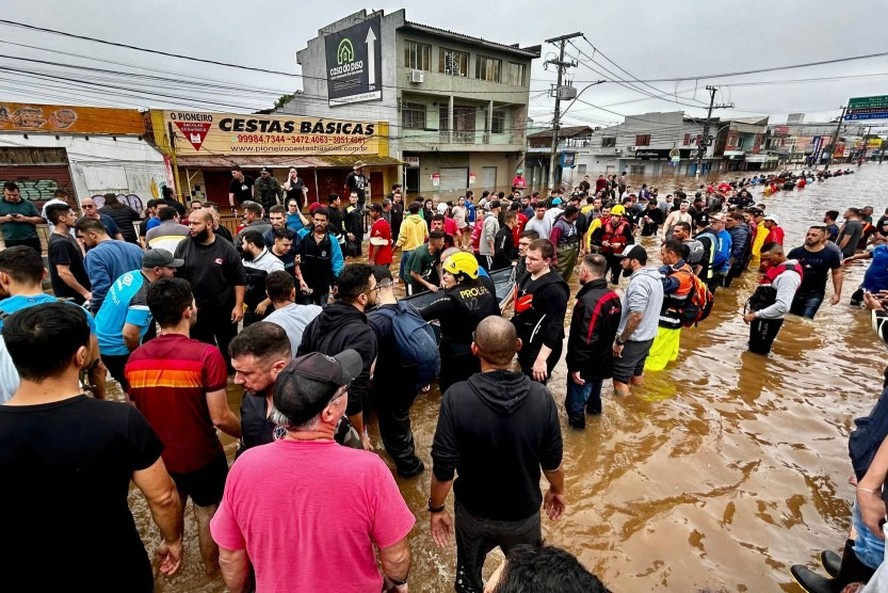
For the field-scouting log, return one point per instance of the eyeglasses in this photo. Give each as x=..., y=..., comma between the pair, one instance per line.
x=88, y=206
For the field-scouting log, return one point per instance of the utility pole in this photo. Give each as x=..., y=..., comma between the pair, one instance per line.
x=701, y=150
x=556, y=121
x=835, y=137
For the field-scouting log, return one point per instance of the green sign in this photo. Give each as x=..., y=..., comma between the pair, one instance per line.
x=868, y=102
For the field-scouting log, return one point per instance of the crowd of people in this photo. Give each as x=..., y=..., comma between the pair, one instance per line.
x=318, y=335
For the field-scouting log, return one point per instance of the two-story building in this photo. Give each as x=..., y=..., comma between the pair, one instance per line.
x=456, y=105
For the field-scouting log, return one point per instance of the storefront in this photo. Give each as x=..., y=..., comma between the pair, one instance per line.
x=203, y=148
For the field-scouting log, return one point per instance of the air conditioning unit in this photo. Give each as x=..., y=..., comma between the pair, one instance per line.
x=417, y=76
x=618, y=150
x=633, y=148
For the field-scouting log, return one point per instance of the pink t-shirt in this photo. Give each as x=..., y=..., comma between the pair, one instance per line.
x=309, y=513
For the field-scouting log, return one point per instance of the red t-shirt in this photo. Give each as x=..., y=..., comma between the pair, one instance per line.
x=169, y=379
x=775, y=236
x=381, y=255
x=450, y=226
x=519, y=227
x=309, y=514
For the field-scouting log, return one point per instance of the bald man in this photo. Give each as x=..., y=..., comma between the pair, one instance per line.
x=216, y=273
x=501, y=430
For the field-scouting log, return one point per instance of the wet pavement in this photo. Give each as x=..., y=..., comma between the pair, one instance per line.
x=720, y=473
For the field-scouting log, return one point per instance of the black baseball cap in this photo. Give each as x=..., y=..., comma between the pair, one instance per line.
x=160, y=258
x=635, y=252
x=307, y=384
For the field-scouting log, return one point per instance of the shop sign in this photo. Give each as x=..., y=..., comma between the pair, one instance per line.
x=354, y=63
x=199, y=133
x=471, y=178
x=436, y=180
x=28, y=117
x=411, y=161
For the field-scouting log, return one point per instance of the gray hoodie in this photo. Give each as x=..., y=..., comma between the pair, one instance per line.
x=643, y=295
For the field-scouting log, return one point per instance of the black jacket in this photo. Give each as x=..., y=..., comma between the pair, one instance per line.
x=593, y=328
x=340, y=327
x=459, y=310
x=540, y=306
x=497, y=431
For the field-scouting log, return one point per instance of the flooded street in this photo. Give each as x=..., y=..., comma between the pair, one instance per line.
x=721, y=472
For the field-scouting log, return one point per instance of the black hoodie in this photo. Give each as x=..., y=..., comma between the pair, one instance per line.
x=340, y=327
x=497, y=430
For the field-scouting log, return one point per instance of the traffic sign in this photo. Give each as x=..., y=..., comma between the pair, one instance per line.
x=867, y=115
x=868, y=102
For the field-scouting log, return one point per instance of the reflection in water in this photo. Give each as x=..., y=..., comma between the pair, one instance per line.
x=724, y=470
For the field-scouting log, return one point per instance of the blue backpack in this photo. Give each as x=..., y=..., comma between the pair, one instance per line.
x=415, y=341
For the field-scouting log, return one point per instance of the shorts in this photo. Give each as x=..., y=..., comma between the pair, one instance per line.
x=116, y=365
x=205, y=485
x=631, y=363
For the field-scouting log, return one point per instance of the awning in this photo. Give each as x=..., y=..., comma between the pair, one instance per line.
x=284, y=162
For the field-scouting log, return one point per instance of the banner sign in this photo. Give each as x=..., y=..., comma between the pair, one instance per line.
x=228, y=133
x=354, y=63
x=70, y=119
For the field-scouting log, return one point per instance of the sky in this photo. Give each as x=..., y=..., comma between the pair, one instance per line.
x=646, y=41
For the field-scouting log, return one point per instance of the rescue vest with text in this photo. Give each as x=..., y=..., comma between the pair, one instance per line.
x=676, y=303
x=765, y=294
x=615, y=235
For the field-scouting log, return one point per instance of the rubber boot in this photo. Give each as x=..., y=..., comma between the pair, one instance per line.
x=852, y=570
x=812, y=582
x=831, y=562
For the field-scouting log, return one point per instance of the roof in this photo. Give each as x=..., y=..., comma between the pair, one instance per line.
x=283, y=162
x=526, y=52
x=565, y=132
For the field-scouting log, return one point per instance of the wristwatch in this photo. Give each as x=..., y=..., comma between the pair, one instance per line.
x=398, y=583
x=619, y=341
x=432, y=509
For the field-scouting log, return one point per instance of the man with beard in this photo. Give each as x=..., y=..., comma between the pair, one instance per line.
x=239, y=191
x=397, y=211
x=540, y=304
x=258, y=262
x=267, y=190
x=357, y=183
x=737, y=227
x=818, y=258
x=321, y=260
x=354, y=226
x=258, y=355
x=651, y=218
x=380, y=249
x=216, y=274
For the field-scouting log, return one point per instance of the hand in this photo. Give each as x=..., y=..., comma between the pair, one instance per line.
x=554, y=504
x=618, y=350
x=350, y=236
x=88, y=296
x=365, y=442
x=433, y=288
x=261, y=307
x=169, y=556
x=834, y=299
x=442, y=528
x=540, y=371
x=388, y=586
x=575, y=377
x=749, y=317
x=872, y=510
x=871, y=300
x=237, y=314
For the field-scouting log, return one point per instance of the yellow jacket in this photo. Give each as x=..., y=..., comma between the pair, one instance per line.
x=760, y=236
x=414, y=232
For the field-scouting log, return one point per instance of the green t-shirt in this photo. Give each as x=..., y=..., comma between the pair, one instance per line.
x=18, y=231
x=423, y=263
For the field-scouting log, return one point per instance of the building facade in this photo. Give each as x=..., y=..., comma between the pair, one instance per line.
x=456, y=106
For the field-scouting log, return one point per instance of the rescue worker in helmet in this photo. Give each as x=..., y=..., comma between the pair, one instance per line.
x=463, y=303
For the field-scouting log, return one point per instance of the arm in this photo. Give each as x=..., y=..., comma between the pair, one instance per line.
x=395, y=560
x=632, y=322
x=554, y=502
x=231, y=199
x=786, y=285
x=419, y=279
x=68, y=278
x=100, y=280
x=238, y=312
x=166, y=509
x=837, y=279
x=235, y=568
x=221, y=415
x=445, y=459
x=336, y=257
x=869, y=491
x=132, y=336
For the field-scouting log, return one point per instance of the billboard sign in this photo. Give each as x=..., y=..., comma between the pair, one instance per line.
x=70, y=119
x=354, y=63
x=198, y=133
x=868, y=102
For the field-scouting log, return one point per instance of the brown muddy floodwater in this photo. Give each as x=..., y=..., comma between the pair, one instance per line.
x=720, y=473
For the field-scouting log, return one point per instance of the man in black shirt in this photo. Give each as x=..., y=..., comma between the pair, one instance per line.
x=818, y=258
x=216, y=273
x=499, y=429
x=354, y=226
x=397, y=211
x=241, y=188
x=66, y=270
x=357, y=182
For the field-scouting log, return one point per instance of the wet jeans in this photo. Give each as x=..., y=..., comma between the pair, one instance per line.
x=868, y=548
x=583, y=397
x=806, y=305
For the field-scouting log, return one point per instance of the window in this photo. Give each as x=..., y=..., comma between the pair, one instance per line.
x=643, y=140
x=608, y=142
x=687, y=140
x=740, y=143
x=517, y=74
x=488, y=69
x=636, y=169
x=413, y=115
x=454, y=63
x=444, y=124
x=498, y=121
x=417, y=55
x=464, y=124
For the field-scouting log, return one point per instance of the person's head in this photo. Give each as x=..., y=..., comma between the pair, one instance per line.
x=771, y=221
x=292, y=206
x=253, y=244
x=617, y=212
x=293, y=173
x=540, y=209
x=772, y=253
x=111, y=200
x=815, y=236
x=237, y=173
x=11, y=192
x=171, y=302
x=831, y=216
x=683, y=206
x=357, y=286
x=21, y=270
x=89, y=208
x=48, y=341
x=436, y=241
x=733, y=219
x=524, y=241
x=200, y=225
x=571, y=212
x=196, y=205
x=280, y=287
x=717, y=222
x=90, y=231
x=61, y=215
x=511, y=218
x=353, y=198
x=867, y=210
x=168, y=213
x=376, y=211
x=495, y=342
x=681, y=231
x=414, y=208
x=258, y=354
x=459, y=268
x=319, y=220
x=151, y=207
x=283, y=240
x=634, y=257
x=437, y=222
x=540, y=568
x=592, y=267
x=670, y=252
x=428, y=204
x=851, y=214
x=277, y=216
x=252, y=211
x=311, y=391
x=264, y=174
x=160, y=263
x=539, y=256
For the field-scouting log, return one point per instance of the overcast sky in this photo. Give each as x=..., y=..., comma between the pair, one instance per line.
x=650, y=40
